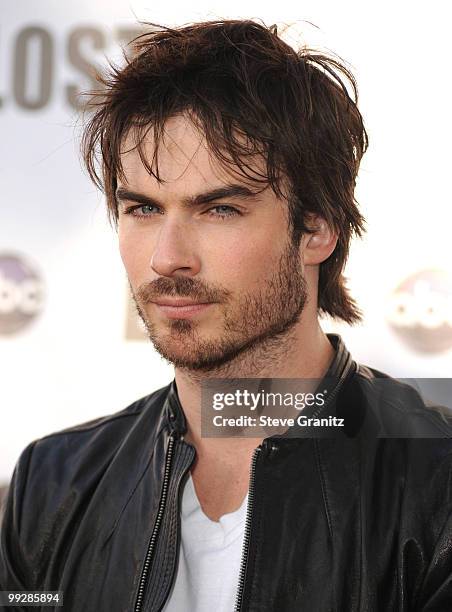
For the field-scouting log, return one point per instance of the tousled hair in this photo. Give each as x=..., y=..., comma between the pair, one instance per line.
x=249, y=93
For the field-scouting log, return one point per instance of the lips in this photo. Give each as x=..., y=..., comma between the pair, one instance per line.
x=178, y=303
x=181, y=309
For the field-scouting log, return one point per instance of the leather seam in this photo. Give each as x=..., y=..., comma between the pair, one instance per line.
x=321, y=468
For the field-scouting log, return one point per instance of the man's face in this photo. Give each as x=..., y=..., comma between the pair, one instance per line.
x=232, y=251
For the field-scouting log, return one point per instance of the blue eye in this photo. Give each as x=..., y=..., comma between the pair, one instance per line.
x=230, y=211
x=145, y=210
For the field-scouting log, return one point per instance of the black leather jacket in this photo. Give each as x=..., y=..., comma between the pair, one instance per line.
x=350, y=522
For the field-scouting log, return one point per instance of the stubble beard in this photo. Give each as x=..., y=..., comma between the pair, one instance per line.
x=256, y=330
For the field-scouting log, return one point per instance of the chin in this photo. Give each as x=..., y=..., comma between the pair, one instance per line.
x=173, y=350
x=182, y=354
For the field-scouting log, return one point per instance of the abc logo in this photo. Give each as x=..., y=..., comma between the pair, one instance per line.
x=21, y=293
x=420, y=311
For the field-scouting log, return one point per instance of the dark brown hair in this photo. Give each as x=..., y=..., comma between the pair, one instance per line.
x=238, y=78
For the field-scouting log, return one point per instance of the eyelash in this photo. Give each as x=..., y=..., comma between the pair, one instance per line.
x=232, y=211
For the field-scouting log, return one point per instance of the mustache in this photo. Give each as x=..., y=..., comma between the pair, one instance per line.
x=179, y=286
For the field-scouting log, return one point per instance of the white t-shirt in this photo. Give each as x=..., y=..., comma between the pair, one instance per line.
x=209, y=558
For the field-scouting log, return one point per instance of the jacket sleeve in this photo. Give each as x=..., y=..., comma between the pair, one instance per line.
x=15, y=569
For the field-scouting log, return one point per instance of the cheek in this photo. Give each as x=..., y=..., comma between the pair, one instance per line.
x=244, y=261
x=133, y=255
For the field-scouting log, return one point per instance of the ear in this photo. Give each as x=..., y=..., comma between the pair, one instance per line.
x=319, y=245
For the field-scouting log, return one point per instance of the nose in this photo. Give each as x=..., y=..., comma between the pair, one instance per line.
x=175, y=250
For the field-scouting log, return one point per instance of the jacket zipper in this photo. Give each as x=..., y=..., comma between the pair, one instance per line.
x=247, y=532
x=153, y=538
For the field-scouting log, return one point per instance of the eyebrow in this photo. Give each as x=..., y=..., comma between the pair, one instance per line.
x=226, y=191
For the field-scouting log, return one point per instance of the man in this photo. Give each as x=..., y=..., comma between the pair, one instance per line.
x=229, y=163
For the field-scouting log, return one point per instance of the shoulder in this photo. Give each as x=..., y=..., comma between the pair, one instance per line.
x=404, y=451
x=94, y=441
x=390, y=407
x=55, y=479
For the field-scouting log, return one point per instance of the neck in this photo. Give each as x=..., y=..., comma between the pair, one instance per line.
x=302, y=353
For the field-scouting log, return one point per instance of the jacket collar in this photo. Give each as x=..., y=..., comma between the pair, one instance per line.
x=339, y=368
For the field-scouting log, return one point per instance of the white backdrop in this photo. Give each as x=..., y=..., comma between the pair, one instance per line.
x=73, y=362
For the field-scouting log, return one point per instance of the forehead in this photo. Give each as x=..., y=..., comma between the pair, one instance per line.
x=184, y=160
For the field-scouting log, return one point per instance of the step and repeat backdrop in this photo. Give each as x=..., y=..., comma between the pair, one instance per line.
x=71, y=348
